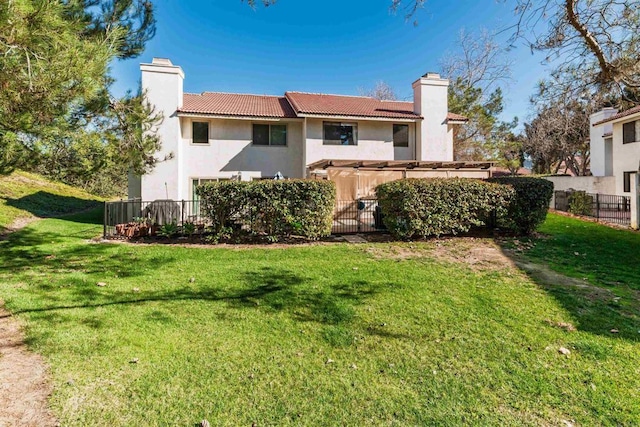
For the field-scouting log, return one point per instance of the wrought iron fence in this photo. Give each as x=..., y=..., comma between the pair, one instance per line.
x=136, y=218
x=604, y=207
x=357, y=216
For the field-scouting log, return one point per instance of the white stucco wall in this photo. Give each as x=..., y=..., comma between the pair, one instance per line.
x=435, y=141
x=163, y=85
x=626, y=157
x=375, y=142
x=598, y=161
x=230, y=150
x=590, y=184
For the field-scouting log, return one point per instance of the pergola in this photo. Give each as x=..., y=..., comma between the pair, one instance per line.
x=397, y=165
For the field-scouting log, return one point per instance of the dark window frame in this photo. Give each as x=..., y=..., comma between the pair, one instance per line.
x=354, y=133
x=626, y=180
x=193, y=133
x=269, y=132
x=629, y=136
x=400, y=144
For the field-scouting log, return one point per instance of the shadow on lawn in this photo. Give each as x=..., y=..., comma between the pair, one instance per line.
x=597, y=306
x=28, y=252
x=45, y=204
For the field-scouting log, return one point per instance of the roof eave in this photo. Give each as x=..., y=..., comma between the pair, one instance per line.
x=632, y=116
x=233, y=116
x=352, y=117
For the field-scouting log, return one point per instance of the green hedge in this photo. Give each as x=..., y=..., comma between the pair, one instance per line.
x=274, y=209
x=415, y=208
x=580, y=203
x=528, y=209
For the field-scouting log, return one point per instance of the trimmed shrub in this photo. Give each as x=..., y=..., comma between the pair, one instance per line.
x=275, y=209
x=580, y=203
x=221, y=202
x=436, y=206
x=528, y=209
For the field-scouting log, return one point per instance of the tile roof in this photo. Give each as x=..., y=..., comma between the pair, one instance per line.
x=620, y=115
x=355, y=106
x=233, y=104
x=294, y=104
x=456, y=117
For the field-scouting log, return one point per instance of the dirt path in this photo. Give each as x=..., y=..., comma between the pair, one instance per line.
x=24, y=387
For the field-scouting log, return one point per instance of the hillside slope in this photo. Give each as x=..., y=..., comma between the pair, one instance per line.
x=25, y=195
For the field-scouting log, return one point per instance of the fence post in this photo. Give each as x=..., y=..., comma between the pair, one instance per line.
x=598, y=206
x=104, y=222
x=182, y=213
x=635, y=201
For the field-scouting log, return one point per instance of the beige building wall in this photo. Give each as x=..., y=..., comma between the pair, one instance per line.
x=590, y=184
x=626, y=157
x=230, y=151
x=375, y=142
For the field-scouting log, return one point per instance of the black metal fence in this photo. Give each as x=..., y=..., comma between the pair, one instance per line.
x=126, y=219
x=604, y=207
x=357, y=216
x=137, y=218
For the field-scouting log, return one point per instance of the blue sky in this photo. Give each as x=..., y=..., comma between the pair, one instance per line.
x=328, y=46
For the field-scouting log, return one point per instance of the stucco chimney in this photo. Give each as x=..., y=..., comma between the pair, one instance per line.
x=600, y=150
x=433, y=139
x=162, y=83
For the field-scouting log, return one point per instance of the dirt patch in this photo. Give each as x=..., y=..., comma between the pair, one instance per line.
x=24, y=388
x=477, y=253
x=17, y=225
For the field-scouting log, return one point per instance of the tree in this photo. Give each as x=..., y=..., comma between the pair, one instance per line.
x=559, y=135
x=476, y=72
x=381, y=91
x=593, y=42
x=54, y=69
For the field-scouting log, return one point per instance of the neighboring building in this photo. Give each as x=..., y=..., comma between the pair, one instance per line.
x=615, y=146
x=217, y=136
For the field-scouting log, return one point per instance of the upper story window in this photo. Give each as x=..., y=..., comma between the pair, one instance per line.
x=340, y=133
x=400, y=135
x=629, y=132
x=200, y=132
x=270, y=135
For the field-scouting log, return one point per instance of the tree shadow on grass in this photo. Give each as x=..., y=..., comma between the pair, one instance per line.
x=595, y=308
x=46, y=205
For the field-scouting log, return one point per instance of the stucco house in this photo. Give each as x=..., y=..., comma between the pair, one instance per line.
x=615, y=147
x=215, y=136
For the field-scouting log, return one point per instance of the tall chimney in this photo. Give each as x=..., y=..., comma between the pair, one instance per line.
x=162, y=84
x=433, y=139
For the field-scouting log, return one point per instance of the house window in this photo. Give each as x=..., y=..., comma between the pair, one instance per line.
x=626, y=180
x=400, y=135
x=629, y=132
x=195, y=182
x=200, y=132
x=340, y=133
x=275, y=135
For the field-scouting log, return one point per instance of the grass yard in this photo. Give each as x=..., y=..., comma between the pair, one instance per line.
x=430, y=333
x=24, y=195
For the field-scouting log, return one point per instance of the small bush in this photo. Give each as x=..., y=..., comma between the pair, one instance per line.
x=580, y=203
x=434, y=206
x=528, y=209
x=274, y=209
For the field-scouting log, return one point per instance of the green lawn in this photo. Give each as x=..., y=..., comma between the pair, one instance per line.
x=339, y=334
x=24, y=195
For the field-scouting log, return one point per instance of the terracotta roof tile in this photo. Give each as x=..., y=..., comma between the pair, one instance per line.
x=456, y=117
x=356, y=106
x=620, y=115
x=233, y=104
